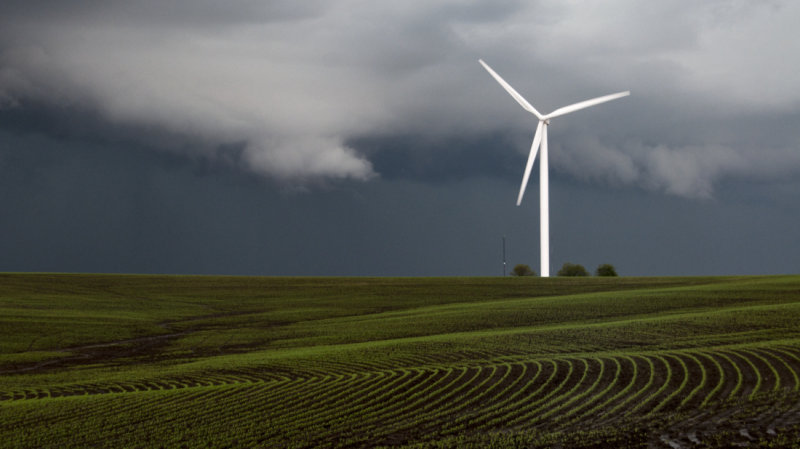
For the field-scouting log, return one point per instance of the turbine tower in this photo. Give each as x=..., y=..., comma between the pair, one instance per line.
x=540, y=139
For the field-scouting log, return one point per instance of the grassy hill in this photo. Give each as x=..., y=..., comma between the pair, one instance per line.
x=201, y=361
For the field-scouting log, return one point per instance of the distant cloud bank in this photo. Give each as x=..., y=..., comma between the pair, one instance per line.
x=292, y=82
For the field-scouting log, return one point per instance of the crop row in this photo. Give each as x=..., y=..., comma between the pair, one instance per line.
x=392, y=406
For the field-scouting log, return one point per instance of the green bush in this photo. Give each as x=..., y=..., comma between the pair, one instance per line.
x=571, y=269
x=606, y=269
x=522, y=270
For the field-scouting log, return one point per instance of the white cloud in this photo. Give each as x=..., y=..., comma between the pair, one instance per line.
x=689, y=171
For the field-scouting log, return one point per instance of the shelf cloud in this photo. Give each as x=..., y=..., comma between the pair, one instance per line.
x=294, y=84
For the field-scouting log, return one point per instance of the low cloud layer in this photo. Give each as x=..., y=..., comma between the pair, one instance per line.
x=293, y=83
x=687, y=171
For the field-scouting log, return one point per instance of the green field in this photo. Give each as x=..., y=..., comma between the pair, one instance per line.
x=200, y=361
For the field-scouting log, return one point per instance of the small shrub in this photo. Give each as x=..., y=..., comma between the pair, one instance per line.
x=522, y=270
x=606, y=269
x=571, y=269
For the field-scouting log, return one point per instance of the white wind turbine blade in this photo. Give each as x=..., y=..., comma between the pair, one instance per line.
x=586, y=104
x=537, y=139
x=522, y=101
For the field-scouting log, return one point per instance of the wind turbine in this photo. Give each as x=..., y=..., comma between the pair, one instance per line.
x=540, y=138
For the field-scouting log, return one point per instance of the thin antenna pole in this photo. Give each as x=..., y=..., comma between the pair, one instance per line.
x=504, y=256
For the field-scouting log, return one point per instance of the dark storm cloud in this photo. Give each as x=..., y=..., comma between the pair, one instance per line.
x=367, y=131
x=84, y=208
x=159, y=13
x=298, y=82
x=442, y=159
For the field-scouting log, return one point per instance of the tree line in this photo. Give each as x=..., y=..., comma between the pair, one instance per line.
x=568, y=269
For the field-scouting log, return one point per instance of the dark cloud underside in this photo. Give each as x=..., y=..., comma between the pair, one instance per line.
x=364, y=138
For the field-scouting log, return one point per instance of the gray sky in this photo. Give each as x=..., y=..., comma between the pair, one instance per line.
x=363, y=138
